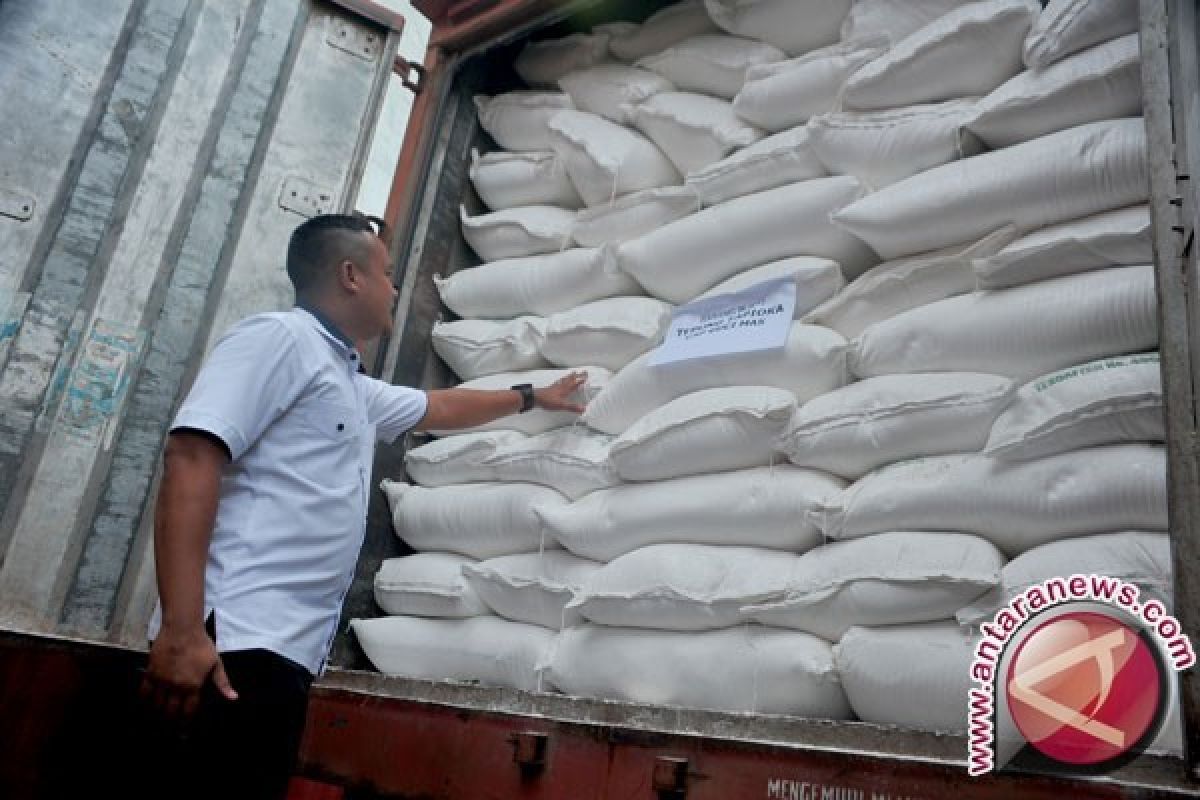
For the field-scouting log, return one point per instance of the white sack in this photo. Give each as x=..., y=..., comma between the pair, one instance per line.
x=811, y=363
x=1069, y=174
x=572, y=460
x=633, y=215
x=883, y=147
x=913, y=676
x=1143, y=559
x=608, y=333
x=540, y=285
x=517, y=232
x=427, y=585
x=683, y=587
x=894, y=19
x=1102, y=83
x=788, y=93
x=680, y=260
x=477, y=347
x=774, y=161
x=896, y=286
x=711, y=63
x=885, y=579
x=605, y=88
x=816, y=279
x=794, y=26
x=713, y=430
x=1123, y=237
x=1068, y=26
x=694, y=130
x=1109, y=401
x=480, y=520
x=761, y=507
x=488, y=650
x=507, y=180
x=542, y=63
x=605, y=160
x=1015, y=505
x=863, y=426
x=965, y=53
x=748, y=669
x=519, y=120
x=537, y=420
x=532, y=587
x=1021, y=332
x=662, y=29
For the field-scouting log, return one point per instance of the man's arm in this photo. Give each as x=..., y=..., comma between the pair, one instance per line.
x=464, y=408
x=183, y=656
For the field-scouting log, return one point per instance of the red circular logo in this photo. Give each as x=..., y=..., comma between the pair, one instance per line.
x=1084, y=688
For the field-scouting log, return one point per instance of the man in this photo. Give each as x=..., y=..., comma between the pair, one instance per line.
x=262, y=511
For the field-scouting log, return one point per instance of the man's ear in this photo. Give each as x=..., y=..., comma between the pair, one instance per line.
x=346, y=276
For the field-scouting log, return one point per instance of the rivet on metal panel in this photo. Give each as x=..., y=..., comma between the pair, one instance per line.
x=670, y=777
x=17, y=205
x=304, y=197
x=529, y=750
x=353, y=39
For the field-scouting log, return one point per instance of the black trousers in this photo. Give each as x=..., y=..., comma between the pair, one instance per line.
x=244, y=748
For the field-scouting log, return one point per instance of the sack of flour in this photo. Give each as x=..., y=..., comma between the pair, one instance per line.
x=665, y=27
x=457, y=459
x=877, y=421
x=683, y=587
x=540, y=285
x=894, y=19
x=816, y=279
x=769, y=163
x=965, y=53
x=1110, y=401
x=761, y=507
x=694, y=130
x=811, y=363
x=913, y=676
x=520, y=120
x=883, y=147
x=517, y=232
x=680, y=260
x=606, y=88
x=507, y=180
x=794, y=26
x=1065, y=175
x=712, y=63
x=1021, y=332
x=713, y=430
x=537, y=420
x=886, y=579
x=544, y=62
x=486, y=650
x=605, y=160
x=788, y=93
x=1015, y=505
x=894, y=287
x=427, y=585
x=480, y=520
x=477, y=347
x=633, y=215
x=531, y=587
x=608, y=333
x=1111, y=238
x=748, y=668
x=1068, y=26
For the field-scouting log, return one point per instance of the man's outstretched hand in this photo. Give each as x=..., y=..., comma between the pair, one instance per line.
x=560, y=395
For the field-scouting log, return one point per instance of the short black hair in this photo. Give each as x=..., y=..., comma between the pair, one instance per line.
x=321, y=242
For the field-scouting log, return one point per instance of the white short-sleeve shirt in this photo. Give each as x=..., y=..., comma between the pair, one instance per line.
x=284, y=394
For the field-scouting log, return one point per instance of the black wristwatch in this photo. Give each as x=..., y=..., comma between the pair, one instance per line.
x=526, y=390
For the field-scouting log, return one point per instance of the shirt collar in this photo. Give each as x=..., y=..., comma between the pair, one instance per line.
x=328, y=326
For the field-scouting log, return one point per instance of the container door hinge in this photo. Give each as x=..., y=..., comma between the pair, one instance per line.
x=412, y=74
x=17, y=205
x=354, y=39
x=305, y=198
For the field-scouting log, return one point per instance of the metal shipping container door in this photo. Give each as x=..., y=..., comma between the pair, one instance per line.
x=156, y=155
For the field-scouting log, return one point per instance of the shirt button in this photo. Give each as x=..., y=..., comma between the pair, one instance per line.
x=341, y=427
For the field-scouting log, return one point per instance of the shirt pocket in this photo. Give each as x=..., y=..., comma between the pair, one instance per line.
x=327, y=443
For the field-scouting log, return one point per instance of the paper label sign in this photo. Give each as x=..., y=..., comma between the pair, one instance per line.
x=751, y=320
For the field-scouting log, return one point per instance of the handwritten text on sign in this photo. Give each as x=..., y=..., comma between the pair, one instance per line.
x=750, y=320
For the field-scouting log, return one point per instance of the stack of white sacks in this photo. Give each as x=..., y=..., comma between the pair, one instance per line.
x=813, y=530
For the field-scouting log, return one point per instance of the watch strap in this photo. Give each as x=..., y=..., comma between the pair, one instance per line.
x=527, y=400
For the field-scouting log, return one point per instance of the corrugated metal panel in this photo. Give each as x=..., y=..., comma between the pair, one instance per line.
x=164, y=141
